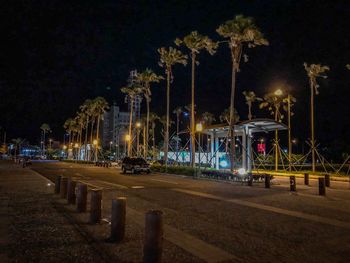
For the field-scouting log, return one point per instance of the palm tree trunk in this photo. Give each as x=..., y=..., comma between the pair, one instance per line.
x=130, y=126
x=250, y=111
x=289, y=138
x=44, y=142
x=177, y=135
x=153, y=141
x=232, y=106
x=312, y=127
x=166, y=138
x=276, y=141
x=147, y=130
x=86, y=136
x=193, y=134
x=97, y=135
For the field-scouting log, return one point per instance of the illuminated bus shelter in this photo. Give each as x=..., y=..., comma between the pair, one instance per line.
x=244, y=132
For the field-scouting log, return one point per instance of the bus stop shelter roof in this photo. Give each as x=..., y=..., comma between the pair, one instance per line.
x=255, y=125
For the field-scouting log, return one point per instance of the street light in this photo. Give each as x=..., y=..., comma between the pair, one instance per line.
x=138, y=127
x=127, y=139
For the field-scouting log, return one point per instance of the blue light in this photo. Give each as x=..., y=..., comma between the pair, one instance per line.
x=223, y=163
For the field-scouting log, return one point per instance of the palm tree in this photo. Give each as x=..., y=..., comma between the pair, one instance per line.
x=168, y=58
x=225, y=116
x=86, y=110
x=208, y=118
x=177, y=111
x=45, y=128
x=18, y=142
x=131, y=91
x=274, y=102
x=195, y=42
x=164, y=121
x=250, y=97
x=288, y=104
x=145, y=79
x=240, y=31
x=100, y=107
x=152, y=119
x=68, y=127
x=314, y=71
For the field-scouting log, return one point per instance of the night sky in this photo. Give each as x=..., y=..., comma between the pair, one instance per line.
x=56, y=54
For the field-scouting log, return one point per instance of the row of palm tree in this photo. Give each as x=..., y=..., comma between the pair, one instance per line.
x=239, y=33
x=90, y=114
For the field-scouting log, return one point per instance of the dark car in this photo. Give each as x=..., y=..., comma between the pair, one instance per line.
x=135, y=165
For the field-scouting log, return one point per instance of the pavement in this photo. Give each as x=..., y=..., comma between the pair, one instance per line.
x=204, y=221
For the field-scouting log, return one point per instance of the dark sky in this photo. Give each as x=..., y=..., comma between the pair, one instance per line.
x=55, y=54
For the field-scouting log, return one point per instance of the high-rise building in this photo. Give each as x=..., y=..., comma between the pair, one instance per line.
x=115, y=127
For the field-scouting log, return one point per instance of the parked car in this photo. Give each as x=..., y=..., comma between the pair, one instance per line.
x=135, y=165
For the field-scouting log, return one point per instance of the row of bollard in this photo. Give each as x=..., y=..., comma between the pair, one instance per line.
x=153, y=242
x=322, y=182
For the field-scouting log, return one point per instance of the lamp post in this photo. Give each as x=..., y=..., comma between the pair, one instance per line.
x=278, y=93
x=110, y=146
x=199, y=129
x=95, y=143
x=127, y=139
x=76, y=146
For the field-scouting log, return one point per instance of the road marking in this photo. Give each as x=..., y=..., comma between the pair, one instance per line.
x=89, y=184
x=137, y=187
x=164, y=181
x=191, y=244
x=112, y=184
x=315, y=218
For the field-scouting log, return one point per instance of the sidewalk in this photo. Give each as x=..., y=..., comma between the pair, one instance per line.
x=31, y=228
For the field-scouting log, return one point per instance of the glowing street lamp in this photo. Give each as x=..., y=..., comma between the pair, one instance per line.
x=138, y=127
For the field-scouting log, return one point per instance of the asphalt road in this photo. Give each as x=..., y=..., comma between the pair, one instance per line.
x=229, y=222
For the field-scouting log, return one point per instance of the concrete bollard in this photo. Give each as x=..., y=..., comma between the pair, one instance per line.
x=153, y=245
x=321, y=186
x=327, y=179
x=71, y=191
x=306, y=179
x=57, y=184
x=293, y=185
x=118, y=219
x=250, y=179
x=81, y=198
x=267, y=180
x=95, y=206
x=63, y=187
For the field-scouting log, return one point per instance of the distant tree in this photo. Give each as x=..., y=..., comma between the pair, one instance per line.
x=168, y=58
x=239, y=31
x=145, y=79
x=45, y=129
x=85, y=108
x=152, y=119
x=208, y=118
x=131, y=91
x=225, y=116
x=18, y=143
x=195, y=42
x=250, y=97
x=314, y=71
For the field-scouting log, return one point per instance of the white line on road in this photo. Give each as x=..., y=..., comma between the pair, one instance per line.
x=112, y=184
x=315, y=218
x=164, y=181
